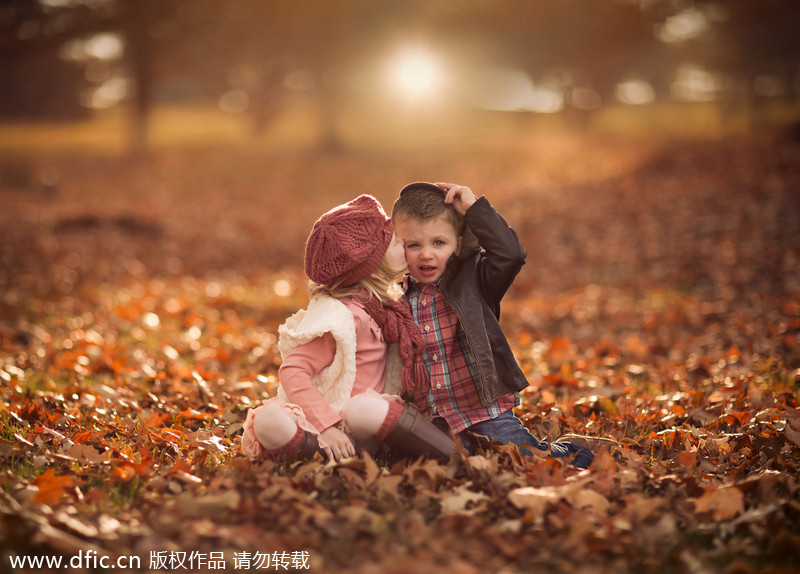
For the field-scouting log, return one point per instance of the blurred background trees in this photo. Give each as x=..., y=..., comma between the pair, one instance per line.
x=62, y=59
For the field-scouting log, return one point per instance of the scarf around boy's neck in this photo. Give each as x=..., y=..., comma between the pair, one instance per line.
x=397, y=324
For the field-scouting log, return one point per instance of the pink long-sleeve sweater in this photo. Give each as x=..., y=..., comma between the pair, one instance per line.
x=306, y=360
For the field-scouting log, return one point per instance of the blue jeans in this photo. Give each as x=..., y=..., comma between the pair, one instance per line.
x=507, y=428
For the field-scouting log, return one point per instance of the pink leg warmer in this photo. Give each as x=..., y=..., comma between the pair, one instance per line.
x=367, y=414
x=395, y=410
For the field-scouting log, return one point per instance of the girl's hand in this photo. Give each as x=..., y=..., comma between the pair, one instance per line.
x=460, y=196
x=340, y=446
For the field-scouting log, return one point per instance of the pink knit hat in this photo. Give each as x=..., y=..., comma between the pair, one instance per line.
x=348, y=243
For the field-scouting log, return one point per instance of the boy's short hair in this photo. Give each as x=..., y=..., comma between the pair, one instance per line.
x=425, y=201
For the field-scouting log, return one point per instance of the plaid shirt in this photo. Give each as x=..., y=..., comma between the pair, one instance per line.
x=451, y=364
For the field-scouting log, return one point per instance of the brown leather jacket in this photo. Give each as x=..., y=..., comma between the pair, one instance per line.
x=474, y=283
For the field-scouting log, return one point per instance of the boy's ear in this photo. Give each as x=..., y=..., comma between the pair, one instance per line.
x=458, y=245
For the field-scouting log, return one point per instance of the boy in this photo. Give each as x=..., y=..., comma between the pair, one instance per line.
x=454, y=288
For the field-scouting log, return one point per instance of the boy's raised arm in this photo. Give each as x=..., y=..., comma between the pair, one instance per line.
x=504, y=256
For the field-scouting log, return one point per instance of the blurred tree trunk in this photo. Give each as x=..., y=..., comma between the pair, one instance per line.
x=141, y=62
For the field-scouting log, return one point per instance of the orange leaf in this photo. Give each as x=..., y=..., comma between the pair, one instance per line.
x=636, y=346
x=734, y=354
x=558, y=348
x=687, y=458
x=548, y=398
x=739, y=418
x=524, y=339
x=51, y=487
x=192, y=414
x=82, y=436
x=124, y=473
x=157, y=419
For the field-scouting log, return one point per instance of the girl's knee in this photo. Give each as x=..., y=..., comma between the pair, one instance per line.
x=273, y=426
x=365, y=415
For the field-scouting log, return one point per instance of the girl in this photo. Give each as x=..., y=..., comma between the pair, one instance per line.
x=336, y=352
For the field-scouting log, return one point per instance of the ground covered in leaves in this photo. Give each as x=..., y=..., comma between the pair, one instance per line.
x=659, y=307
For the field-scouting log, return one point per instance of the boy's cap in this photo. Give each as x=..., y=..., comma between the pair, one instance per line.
x=423, y=185
x=348, y=242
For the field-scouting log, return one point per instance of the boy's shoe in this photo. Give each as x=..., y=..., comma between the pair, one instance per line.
x=579, y=455
x=593, y=443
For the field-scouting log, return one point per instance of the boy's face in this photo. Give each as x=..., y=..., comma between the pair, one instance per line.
x=428, y=243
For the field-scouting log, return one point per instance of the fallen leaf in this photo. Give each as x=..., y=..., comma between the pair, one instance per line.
x=591, y=500
x=87, y=454
x=209, y=504
x=723, y=503
x=51, y=487
x=462, y=500
x=792, y=435
x=536, y=499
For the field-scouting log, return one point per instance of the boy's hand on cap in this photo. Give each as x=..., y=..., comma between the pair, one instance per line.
x=460, y=196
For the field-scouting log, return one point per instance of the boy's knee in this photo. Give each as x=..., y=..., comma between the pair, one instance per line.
x=365, y=415
x=273, y=426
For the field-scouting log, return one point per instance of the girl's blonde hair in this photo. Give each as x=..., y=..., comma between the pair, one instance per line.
x=382, y=285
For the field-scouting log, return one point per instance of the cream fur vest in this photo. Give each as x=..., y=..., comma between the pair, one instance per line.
x=335, y=382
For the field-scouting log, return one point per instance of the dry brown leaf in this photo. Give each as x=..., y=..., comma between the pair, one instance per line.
x=87, y=454
x=792, y=435
x=537, y=499
x=208, y=505
x=371, y=468
x=639, y=324
x=462, y=500
x=723, y=502
x=591, y=500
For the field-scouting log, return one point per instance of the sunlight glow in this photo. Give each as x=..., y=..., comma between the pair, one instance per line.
x=282, y=288
x=56, y=3
x=108, y=94
x=546, y=100
x=513, y=90
x=503, y=90
x=694, y=84
x=586, y=99
x=415, y=74
x=687, y=25
x=105, y=46
x=635, y=92
x=234, y=102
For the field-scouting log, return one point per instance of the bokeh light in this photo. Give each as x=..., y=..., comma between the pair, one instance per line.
x=635, y=92
x=694, y=84
x=316, y=73
x=686, y=25
x=415, y=73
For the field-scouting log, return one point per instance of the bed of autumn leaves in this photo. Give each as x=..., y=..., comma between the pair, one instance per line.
x=660, y=308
